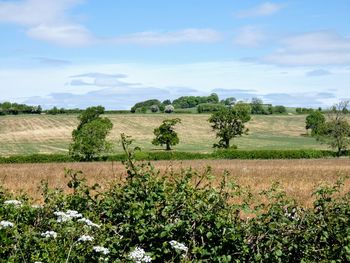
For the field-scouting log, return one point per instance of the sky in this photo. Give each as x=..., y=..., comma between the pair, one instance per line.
x=79, y=53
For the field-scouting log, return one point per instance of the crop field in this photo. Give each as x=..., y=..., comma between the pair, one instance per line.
x=297, y=177
x=27, y=134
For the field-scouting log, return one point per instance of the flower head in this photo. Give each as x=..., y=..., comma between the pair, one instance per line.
x=6, y=224
x=178, y=246
x=88, y=222
x=49, y=234
x=67, y=216
x=138, y=255
x=13, y=202
x=85, y=238
x=100, y=249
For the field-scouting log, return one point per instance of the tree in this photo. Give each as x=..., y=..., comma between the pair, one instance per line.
x=336, y=131
x=229, y=101
x=169, y=109
x=154, y=108
x=257, y=106
x=229, y=123
x=89, y=139
x=315, y=122
x=165, y=134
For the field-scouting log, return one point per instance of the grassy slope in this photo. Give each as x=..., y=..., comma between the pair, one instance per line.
x=26, y=134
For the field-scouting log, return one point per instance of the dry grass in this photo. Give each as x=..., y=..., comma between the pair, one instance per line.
x=297, y=177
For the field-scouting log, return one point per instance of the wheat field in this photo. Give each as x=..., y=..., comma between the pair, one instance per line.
x=297, y=177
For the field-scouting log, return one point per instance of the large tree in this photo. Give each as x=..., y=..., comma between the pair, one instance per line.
x=336, y=131
x=230, y=123
x=165, y=134
x=89, y=139
x=315, y=121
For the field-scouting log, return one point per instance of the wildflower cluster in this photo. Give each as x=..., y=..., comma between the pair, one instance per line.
x=85, y=238
x=178, y=246
x=13, y=202
x=100, y=249
x=6, y=224
x=49, y=234
x=88, y=222
x=138, y=255
x=67, y=216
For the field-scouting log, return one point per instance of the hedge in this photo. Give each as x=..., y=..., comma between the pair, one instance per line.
x=173, y=155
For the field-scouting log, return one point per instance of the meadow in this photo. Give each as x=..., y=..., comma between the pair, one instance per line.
x=28, y=134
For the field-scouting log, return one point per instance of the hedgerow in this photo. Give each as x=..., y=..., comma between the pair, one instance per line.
x=174, y=155
x=185, y=217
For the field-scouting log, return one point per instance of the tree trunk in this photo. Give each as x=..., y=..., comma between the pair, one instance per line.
x=168, y=147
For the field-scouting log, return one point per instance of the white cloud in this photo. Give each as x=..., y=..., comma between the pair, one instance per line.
x=249, y=36
x=264, y=9
x=46, y=20
x=65, y=35
x=314, y=48
x=191, y=35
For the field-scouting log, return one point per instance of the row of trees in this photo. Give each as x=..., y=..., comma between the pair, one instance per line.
x=204, y=104
x=8, y=108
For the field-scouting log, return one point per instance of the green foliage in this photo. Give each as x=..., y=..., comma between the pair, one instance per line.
x=89, y=139
x=209, y=107
x=8, y=108
x=165, y=134
x=229, y=123
x=186, y=102
x=169, y=109
x=230, y=101
x=315, y=122
x=145, y=105
x=336, y=131
x=150, y=211
x=257, y=106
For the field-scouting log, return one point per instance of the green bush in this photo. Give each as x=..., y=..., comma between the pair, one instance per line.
x=185, y=217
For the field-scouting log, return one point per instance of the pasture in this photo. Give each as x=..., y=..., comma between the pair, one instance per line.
x=28, y=134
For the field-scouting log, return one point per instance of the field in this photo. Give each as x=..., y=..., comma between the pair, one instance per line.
x=27, y=134
x=297, y=177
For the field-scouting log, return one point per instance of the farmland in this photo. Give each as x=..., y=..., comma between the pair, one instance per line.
x=28, y=134
x=297, y=177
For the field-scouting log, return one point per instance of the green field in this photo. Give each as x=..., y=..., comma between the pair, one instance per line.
x=27, y=134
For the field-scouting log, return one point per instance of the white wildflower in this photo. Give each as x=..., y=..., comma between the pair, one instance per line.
x=178, y=246
x=67, y=216
x=85, y=238
x=38, y=262
x=37, y=207
x=139, y=256
x=6, y=224
x=49, y=234
x=88, y=222
x=13, y=202
x=100, y=249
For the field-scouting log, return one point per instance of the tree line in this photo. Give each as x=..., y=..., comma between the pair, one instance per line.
x=207, y=104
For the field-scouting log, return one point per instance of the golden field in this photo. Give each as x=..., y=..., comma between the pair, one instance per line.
x=297, y=177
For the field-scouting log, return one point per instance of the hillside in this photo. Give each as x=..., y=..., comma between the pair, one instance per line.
x=26, y=134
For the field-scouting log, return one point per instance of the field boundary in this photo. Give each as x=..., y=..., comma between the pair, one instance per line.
x=174, y=155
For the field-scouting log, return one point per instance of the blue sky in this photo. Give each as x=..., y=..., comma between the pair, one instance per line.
x=77, y=53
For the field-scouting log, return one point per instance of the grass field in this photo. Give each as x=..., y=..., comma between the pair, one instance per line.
x=27, y=134
x=297, y=177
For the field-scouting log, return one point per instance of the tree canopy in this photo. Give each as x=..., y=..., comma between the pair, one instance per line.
x=165, y=134
x=230, y=123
